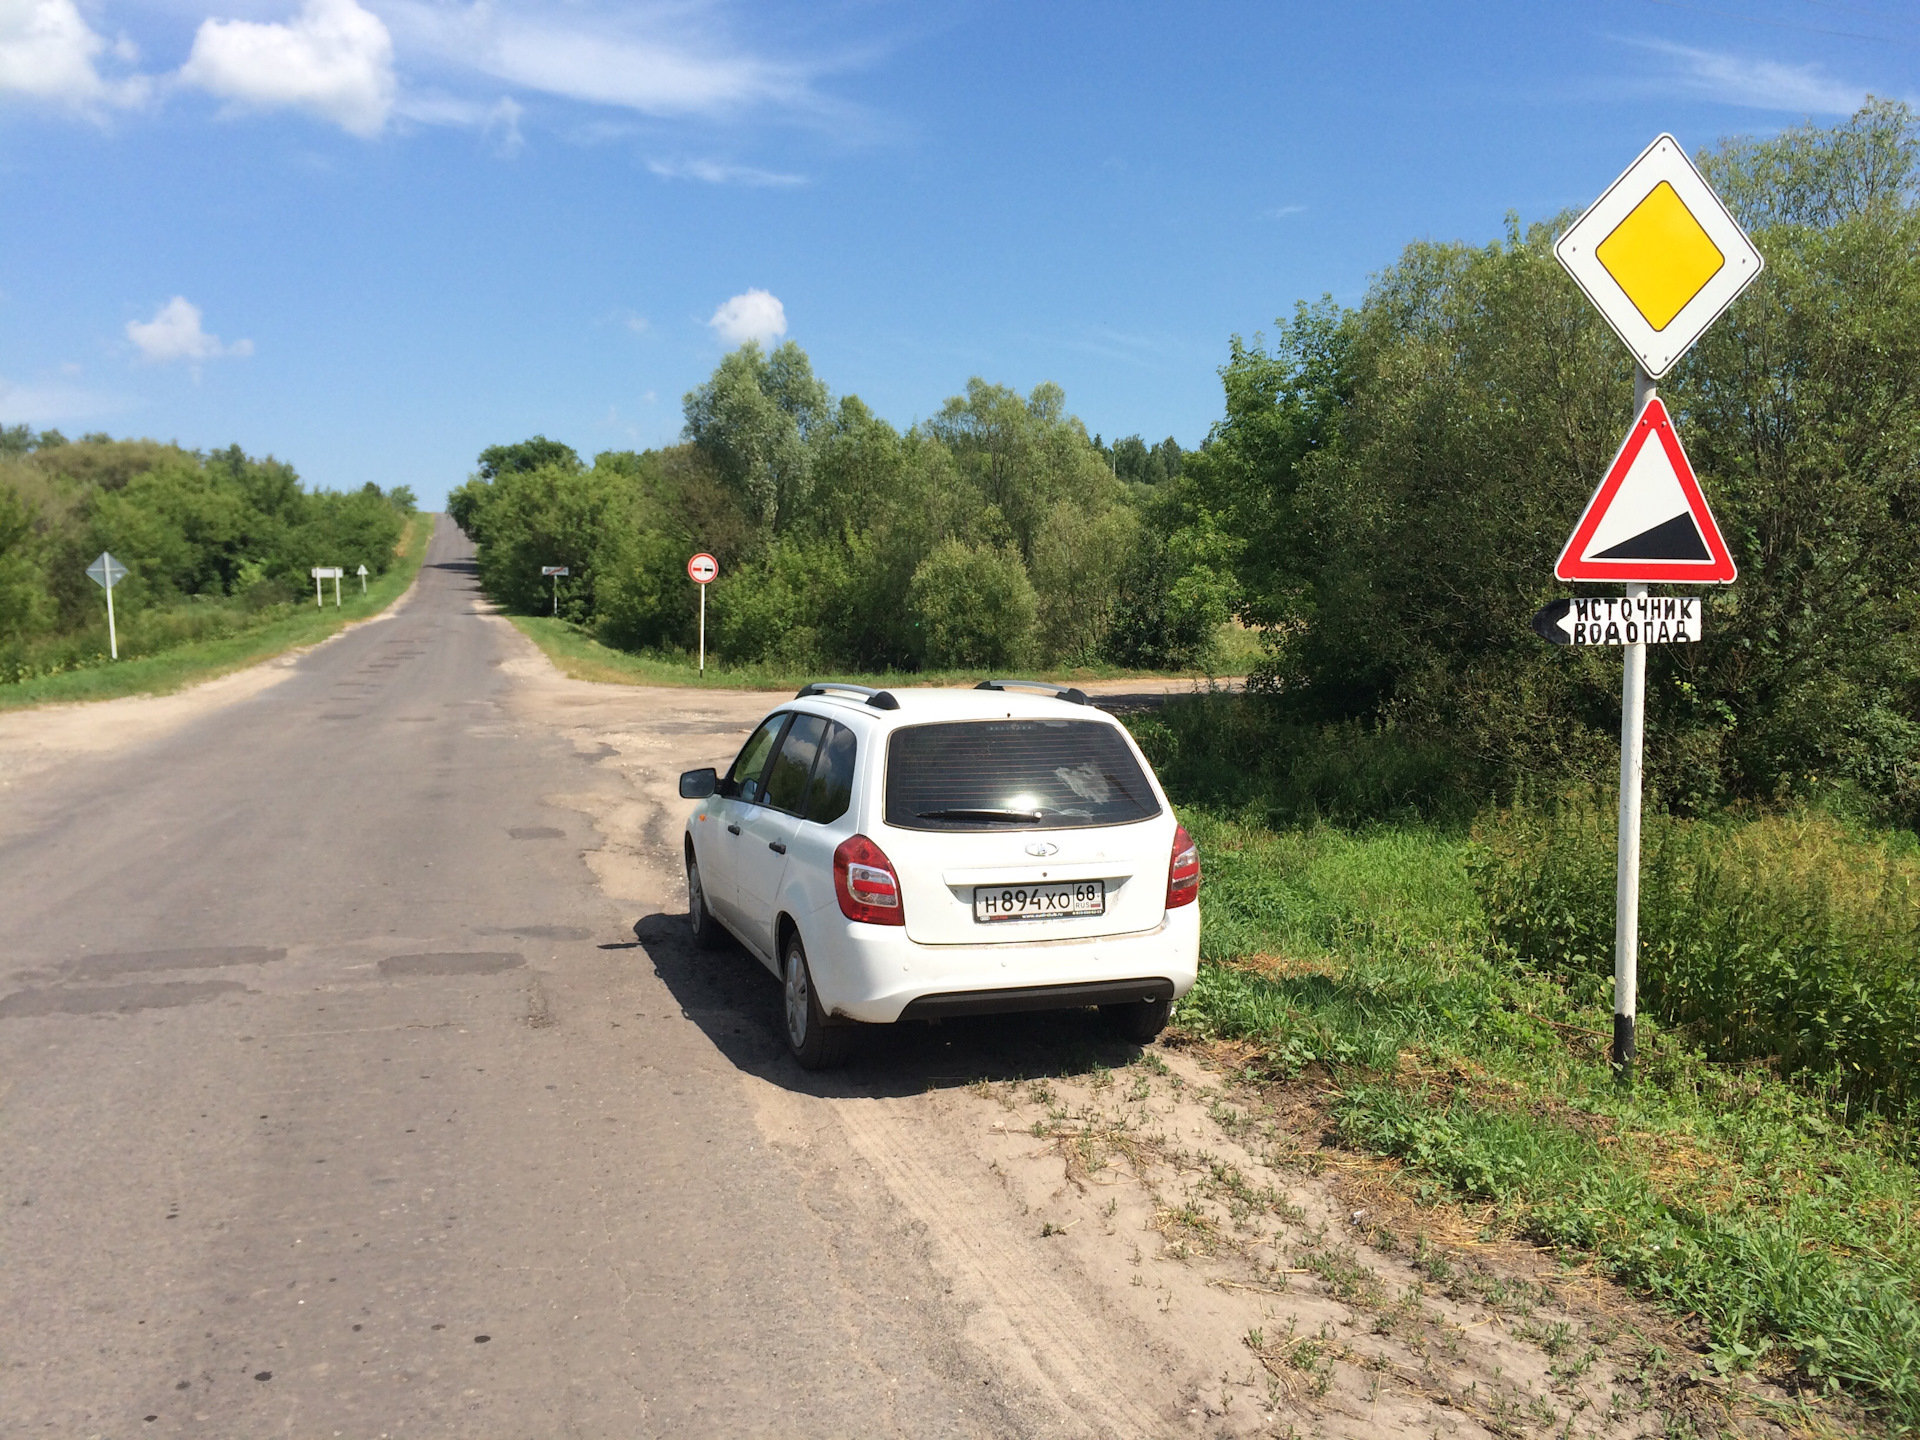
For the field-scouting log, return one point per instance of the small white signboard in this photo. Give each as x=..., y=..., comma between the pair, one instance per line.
x=107, y=572
x=1613, y=620
x=1659, y=255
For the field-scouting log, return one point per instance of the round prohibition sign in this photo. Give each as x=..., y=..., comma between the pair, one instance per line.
x=702, y=568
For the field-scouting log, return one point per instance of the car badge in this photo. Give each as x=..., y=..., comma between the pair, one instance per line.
x=1042, y=848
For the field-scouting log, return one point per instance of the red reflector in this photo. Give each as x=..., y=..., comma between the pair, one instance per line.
x=864, y=881
x=1183, y=874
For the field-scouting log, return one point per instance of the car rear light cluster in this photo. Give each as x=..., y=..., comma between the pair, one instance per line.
x=865, y=881
x=1183, y=875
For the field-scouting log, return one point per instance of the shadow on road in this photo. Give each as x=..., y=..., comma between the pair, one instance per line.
x=736, y=1001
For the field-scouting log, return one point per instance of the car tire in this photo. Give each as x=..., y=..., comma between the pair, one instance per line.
x=707, y=933
x=1141, y=1022
x=815, y=1042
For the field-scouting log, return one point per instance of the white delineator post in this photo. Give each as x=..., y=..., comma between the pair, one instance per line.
x=113, y=636
x=1626, y=896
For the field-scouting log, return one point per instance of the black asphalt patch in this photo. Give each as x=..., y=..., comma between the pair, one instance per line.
x=537, y=832
x=139, y=962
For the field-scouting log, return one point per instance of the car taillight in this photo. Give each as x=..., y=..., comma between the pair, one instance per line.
x=863, y=878
x=1183, y=875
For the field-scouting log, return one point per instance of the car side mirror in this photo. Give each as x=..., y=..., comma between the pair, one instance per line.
x=699, y=784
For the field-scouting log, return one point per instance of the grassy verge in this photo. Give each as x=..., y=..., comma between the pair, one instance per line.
x=189, y=664
x=581, y=657
x=1730, y=1196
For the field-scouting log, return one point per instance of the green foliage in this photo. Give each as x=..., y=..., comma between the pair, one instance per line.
x=1790, y=939
x=1397, y=480
x=211, y=542
x=996, y=534
x=974, y=605
x=1715, y=1188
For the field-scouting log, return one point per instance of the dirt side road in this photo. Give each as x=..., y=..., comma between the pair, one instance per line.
x=356, y=1078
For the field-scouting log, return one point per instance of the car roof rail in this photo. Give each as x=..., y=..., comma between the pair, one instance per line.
x=1072, y=694
x=878, y=699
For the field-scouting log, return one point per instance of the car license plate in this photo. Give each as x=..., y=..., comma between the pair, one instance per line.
x=1039, y=902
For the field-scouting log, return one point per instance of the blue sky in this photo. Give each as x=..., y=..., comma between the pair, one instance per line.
x=373, y=236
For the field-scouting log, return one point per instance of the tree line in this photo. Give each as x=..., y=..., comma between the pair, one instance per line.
x=997, y=534
x=211, y=542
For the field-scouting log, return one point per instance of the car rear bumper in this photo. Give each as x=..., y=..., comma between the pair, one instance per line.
x=874, y=973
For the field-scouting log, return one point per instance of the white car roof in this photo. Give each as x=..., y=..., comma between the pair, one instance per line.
x=920, y=705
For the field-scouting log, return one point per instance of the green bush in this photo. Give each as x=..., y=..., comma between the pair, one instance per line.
x=1791, y=939
x=975, y=608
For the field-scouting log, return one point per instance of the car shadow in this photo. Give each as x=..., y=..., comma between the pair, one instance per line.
x=736, y=1001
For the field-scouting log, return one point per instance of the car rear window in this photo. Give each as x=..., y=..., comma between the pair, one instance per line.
x=1014, y=775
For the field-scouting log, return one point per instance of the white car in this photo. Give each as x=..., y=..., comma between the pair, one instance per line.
x=945, y=852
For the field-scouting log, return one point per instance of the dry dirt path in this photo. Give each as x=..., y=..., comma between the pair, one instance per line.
x=356, y=1078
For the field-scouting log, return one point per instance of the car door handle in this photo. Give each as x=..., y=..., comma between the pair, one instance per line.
x=776, y=847
x=733, y=829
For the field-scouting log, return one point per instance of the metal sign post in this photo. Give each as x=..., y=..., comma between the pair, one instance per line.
x=107, y=572
x=1661, y=258
x=362, y=572
x=556, y=571
x=702, y=569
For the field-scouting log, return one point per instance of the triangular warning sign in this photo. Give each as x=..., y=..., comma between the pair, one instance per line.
x=1648, y=520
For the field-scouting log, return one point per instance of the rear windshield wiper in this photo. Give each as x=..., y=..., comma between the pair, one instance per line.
x=1023, y=817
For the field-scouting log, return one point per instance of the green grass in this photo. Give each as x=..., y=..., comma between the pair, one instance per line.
x=275, y=633
x=1718, y=1189
x=580, y=656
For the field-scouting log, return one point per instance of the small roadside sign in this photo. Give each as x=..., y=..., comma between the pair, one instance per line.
x=1610, y=620
x=553, y=570
x=362, y=573
x=1648, y=520
x=107, y=572
x=702, y=568
x=327, y=572
x=1659, y=255
x=556, y=571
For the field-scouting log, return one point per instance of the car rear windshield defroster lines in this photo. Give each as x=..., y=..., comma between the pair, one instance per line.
x=1014, y=775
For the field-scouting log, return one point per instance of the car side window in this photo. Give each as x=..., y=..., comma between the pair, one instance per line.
x=747, y=778
x=832, y=788
x=786, y=785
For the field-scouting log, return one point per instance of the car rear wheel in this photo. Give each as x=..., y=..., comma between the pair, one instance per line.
x=707, y=933
x=1140, y=1021
x=815, y=1043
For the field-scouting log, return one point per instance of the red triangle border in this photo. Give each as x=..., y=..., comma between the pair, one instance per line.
x=1718, y=570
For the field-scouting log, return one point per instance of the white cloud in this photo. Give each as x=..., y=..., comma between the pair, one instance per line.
x=1760, y=84
x=756, y=315
x=333, y=60
x=712, y=172
x=608, y=58
x=49, y=52
x=174, y=333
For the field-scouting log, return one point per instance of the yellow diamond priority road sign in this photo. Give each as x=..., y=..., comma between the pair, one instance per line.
x=1659, y=255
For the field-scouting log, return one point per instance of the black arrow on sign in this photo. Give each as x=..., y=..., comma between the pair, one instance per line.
x=1550, y=624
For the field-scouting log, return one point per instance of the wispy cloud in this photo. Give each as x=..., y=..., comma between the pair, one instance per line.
x=714, y=172
x=657, y=59
x=1757, y=84
x=1280, y=212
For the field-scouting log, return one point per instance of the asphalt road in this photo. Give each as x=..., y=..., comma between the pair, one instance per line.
x=337, y=1097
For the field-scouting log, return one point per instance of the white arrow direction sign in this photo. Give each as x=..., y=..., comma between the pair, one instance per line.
x=1613, y=620
x=363, y=579
x=107, y=572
